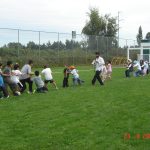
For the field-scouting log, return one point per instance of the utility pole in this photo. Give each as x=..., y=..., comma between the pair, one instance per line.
x=118, y=20
x=118, y=27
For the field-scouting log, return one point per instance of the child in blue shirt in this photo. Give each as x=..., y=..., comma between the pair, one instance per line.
x=2, y=86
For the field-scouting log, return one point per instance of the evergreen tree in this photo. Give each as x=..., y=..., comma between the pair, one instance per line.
x=148, y=36
x=139, y=36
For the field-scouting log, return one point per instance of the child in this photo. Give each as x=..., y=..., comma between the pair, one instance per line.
x=109, y=69
x=76, y=79
x=138, y=71
x=145, y=69
x=2, y=86
x=66, y=76
x=15, y=75
x=39, y=83
x=7, y=73
x=104, y=73
x=48, y=76
x=129, y=68
x=26, y=76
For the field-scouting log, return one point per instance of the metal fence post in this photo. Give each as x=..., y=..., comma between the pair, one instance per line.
x=106, y=46
x=18, y=45
x=58, y=47
x=97, y=42
x=39, y=43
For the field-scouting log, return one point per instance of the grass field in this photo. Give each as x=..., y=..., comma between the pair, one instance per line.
x=77, y=118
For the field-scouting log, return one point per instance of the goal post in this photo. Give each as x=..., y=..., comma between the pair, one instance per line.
x=139, y=50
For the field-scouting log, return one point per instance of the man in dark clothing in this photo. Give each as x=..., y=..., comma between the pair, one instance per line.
x=66, y=76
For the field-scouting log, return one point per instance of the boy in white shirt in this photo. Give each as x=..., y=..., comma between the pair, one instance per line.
x=75, y=75
x=15, y=75
x=136, y=65
x=26, y=76
x=48, y=76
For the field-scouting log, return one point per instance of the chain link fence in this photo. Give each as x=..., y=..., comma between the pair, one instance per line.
x=58, y=48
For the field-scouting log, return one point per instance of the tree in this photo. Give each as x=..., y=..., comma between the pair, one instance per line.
x=139, y=36
x=148, y=36
x=111, y=26
x=100, y=25
x=97, y=26
x=32, y=45
x=43, y=46
x=55, y=45
x=48, y=44
x=14, y=45
x=72, y=44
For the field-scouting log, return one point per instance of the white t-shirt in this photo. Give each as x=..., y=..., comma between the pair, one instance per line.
x=15, y=76
x=98, y=63
x=47, y=73
x=138, y=66
x=145, y=65
x=26, y=71
x=75, y=74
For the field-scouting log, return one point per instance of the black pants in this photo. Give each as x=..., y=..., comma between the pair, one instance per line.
x=127, y=73
x=147, y=72
x=5, y=93
x=97, y=76
x=65, y=82
x=28, y=80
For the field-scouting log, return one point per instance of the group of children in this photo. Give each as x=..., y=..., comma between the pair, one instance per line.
x=16, y=79
x=138, y=68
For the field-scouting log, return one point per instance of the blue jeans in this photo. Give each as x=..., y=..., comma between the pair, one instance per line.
x=138, y=72
x=77, y=81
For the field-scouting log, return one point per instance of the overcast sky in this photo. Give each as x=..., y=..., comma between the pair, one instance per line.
x=68, y=15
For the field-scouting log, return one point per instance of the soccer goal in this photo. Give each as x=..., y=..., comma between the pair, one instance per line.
x=139, y=53
x=145, y=57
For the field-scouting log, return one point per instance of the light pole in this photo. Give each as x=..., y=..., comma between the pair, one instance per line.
x=118, y=27
x=118, y=18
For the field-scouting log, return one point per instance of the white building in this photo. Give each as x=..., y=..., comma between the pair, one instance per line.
x=144, y=51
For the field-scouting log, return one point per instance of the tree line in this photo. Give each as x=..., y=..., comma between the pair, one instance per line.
x=69, y=44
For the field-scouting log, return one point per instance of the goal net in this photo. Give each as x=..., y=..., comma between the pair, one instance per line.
x=145, y=57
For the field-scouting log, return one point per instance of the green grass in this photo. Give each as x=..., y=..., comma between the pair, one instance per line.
x=84, y=117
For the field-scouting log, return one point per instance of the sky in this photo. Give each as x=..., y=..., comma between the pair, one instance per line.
x=71, y=15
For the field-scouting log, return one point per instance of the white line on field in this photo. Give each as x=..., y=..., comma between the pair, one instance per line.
x=88, y=69
x=78, y=70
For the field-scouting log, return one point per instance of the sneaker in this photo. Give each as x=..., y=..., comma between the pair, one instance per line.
x=34, y=91
x=28, y=92
x=31, y=92
x=7, y=96
x=17, y=93
x=82, y=81
x=1, y=97
x=56, y=88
